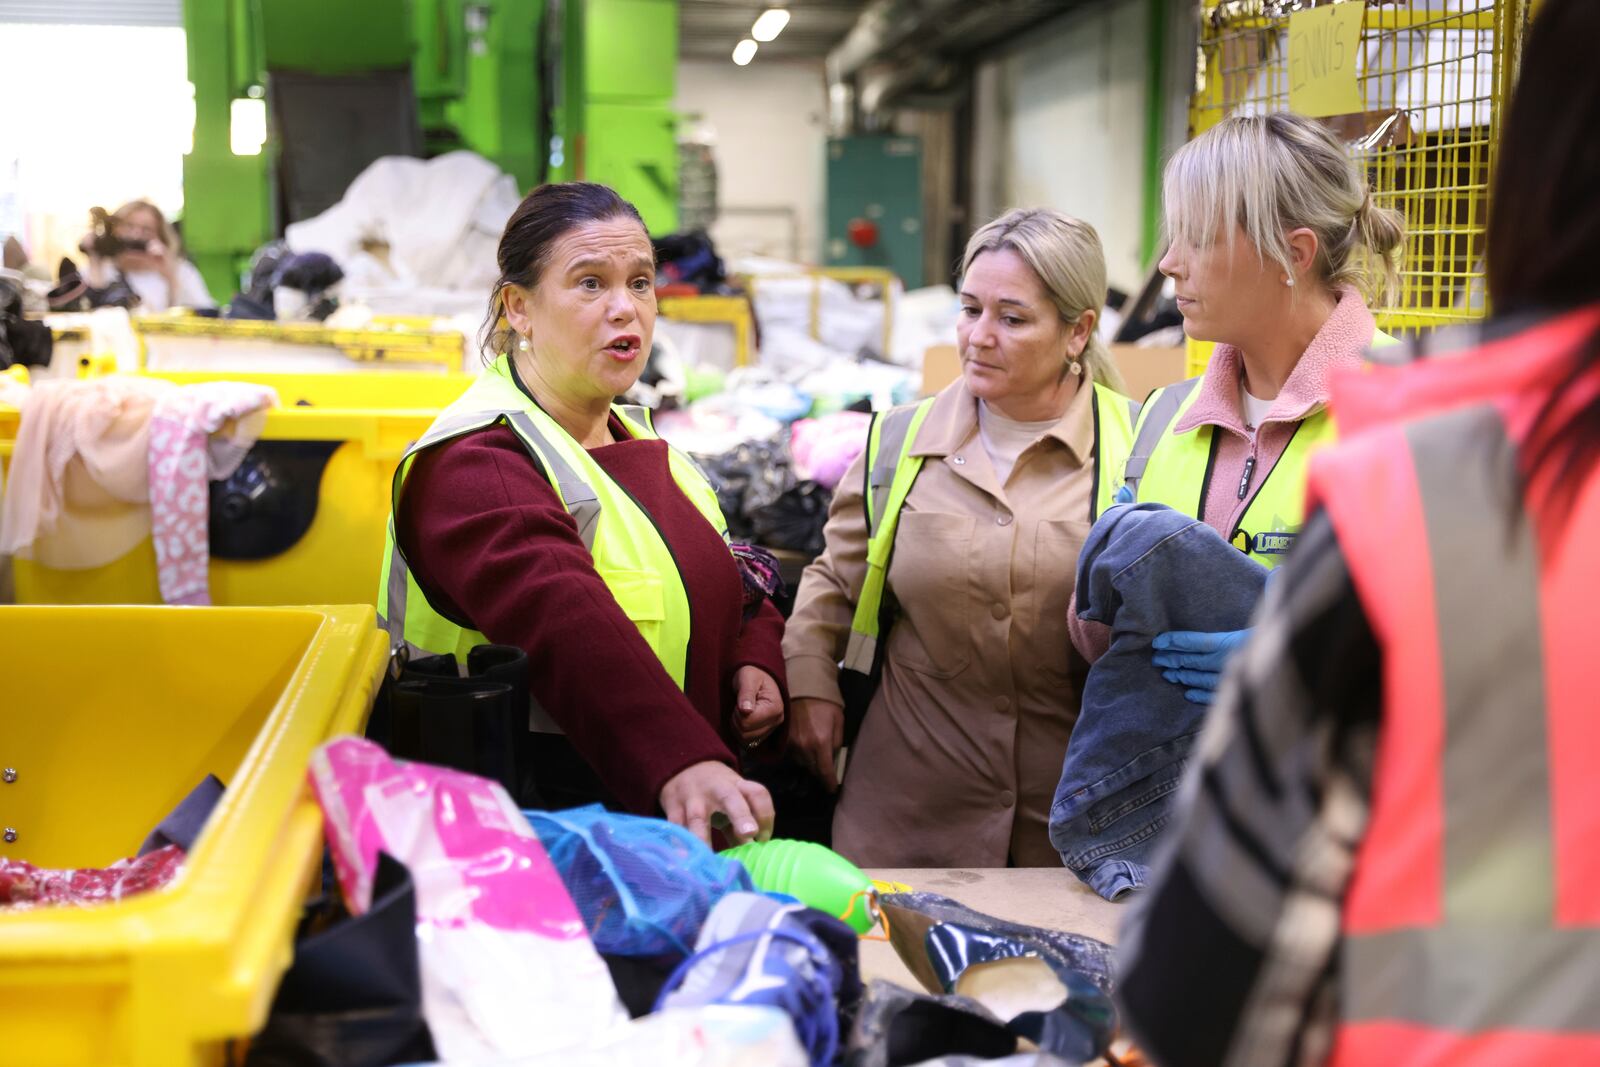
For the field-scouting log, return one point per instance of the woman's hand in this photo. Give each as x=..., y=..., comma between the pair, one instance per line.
x=758, y=705
x=816, y=732
x=1196, y=660
x=710, y=793
x=155, y=257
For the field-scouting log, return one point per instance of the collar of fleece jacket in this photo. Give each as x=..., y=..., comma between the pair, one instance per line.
x=1340, y=343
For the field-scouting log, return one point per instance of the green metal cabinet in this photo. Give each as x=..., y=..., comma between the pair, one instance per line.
x=876, y=180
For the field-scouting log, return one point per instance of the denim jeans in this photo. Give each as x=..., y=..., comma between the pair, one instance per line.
x=1145, y=569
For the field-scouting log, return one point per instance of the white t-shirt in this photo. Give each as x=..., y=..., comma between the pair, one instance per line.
x=1255, y=409
x=156, y=295
x=1005, y=439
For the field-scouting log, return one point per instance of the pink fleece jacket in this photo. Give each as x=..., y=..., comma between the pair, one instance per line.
x=1341, y=343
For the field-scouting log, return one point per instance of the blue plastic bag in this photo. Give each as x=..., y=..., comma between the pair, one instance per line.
x=643, y=886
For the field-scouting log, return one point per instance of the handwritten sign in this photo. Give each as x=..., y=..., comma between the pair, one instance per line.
x=1324, y=47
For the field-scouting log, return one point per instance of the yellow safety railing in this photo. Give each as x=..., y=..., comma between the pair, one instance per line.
x=732, y=310
x=1435, y=77
x=881, y=277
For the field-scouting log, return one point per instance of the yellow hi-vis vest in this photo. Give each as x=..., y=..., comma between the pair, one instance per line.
x=891, y=469
x=630, y=554
x=1171, y=468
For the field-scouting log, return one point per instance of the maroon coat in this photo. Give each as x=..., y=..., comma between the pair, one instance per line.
x=486, y=536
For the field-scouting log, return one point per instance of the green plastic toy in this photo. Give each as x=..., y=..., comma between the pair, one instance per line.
x=816, y=876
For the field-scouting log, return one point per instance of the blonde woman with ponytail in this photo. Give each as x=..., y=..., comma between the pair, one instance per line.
x=1276, y=250
x=951, y=553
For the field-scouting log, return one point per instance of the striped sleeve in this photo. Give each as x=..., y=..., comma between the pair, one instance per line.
x=1228, y=957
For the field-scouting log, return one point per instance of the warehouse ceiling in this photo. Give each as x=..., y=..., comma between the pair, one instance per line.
x=708, y=29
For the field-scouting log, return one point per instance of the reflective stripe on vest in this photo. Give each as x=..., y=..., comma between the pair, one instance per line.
x=1453, y=951
x=891, y=471
x=629, y=552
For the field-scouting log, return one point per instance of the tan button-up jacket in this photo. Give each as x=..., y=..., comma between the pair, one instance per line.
x=961, y=750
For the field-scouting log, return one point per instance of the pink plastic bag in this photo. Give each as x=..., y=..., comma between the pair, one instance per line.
x=824, y=448
x=507, y=967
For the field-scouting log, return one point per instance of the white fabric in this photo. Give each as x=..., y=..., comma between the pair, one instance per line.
x=157, y=295
x=1006, y=439
x=440, y=220
x=1255, y=409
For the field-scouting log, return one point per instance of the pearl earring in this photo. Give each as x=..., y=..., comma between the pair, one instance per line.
x=522, y=343
x=1074, y=368
x=1289, y=282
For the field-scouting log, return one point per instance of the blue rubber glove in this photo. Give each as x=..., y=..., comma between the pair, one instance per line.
x=1123, y=495
x=1195, y=660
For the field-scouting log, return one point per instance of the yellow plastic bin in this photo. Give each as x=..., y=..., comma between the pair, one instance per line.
x=111, y=716
x=334, y=440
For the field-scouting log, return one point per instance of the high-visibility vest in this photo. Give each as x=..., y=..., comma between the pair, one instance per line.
x=630, y=553
x=1471, y=926
x=891, y=470
x=1175, y=469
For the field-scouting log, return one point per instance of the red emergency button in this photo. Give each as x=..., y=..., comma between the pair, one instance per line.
x=863, y=233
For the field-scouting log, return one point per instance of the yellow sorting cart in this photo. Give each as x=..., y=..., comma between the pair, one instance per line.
x=111, y=717
x=387, y=343
x=303, y=523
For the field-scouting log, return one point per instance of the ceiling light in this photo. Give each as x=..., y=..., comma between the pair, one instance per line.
x=744, y=51
x=770, y=24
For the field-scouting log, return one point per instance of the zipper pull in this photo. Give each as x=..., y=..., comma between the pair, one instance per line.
x=1244, y=481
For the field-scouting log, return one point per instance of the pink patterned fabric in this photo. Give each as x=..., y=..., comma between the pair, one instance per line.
x=183, y=460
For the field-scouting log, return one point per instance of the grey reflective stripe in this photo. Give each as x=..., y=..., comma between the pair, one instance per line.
x=860, y=651
x=1509, y=978
x=576, y=492
x=1163, y=409
x=638, y=413
x=1133, y=413
x=1497, y=960
x=891, y=444
x=396, y=601
x=446, y=428
x=1498, y=855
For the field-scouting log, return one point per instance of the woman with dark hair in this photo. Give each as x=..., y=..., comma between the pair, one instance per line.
x=1391, y=852
x=537, y=513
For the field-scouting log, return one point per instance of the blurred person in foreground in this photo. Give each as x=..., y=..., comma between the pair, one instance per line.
x=1390, y=848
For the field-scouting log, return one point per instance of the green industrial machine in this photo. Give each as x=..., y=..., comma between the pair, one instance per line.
x=613, y=106
x=555, y=89
x=875, y=204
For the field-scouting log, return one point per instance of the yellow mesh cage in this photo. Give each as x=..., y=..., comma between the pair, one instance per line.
x=1435, y=76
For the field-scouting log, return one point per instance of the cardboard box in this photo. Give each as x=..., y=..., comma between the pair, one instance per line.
x=1143, y=369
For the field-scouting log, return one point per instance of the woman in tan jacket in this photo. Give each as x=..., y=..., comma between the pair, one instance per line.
x=962, y=743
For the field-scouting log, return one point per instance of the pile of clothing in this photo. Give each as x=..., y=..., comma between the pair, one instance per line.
x=100, y=465
x=463, y=931
x=158, y=861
